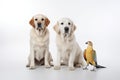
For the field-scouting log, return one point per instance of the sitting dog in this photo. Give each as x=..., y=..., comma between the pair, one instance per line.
x=68, y=50
x=39, y=42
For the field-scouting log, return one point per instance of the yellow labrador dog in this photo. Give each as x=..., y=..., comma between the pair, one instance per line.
x=39, y=42
x=68, y=51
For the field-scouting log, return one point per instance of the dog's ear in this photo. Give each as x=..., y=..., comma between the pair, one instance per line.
x=56, y=28
x=47, y=21
x=74, y=28
x=31, y=22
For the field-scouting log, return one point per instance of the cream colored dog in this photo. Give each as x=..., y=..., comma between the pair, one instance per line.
x=39, y=42
x=68, y=50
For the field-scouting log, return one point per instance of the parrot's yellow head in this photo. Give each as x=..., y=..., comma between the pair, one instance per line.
x=89, y=43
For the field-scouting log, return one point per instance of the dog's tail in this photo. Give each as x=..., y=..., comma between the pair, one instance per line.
x=99, y=66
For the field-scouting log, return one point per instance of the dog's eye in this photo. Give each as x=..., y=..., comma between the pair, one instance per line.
x=42, y=19
x=36, y=19
x=69, y=23
x=62, y=23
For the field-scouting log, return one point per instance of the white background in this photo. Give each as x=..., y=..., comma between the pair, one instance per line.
x=96, y=20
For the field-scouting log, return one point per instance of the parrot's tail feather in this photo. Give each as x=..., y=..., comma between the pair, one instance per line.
x=99, y=66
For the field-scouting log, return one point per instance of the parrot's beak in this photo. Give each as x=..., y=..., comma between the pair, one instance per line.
x=86, y=43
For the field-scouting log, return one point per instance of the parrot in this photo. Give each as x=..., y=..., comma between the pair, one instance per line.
x=90, y=56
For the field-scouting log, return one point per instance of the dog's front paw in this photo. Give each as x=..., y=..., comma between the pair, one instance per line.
x=71, y=68
x=32, y=67
x=47, y=66
x=56, y=67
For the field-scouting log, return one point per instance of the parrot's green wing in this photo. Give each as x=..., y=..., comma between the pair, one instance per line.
x=94, y=56
x=84, y=53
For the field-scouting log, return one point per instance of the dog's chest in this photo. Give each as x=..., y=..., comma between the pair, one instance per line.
x=39, y=42
x=65, y=54
x=66, y=49
x=65, y=45
x=39, y=53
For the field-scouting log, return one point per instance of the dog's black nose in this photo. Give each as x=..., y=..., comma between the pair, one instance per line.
x=66, y=29
x=39, y=25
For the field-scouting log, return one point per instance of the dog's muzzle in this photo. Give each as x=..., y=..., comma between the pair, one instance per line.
x=39, y=25
x=66, y=29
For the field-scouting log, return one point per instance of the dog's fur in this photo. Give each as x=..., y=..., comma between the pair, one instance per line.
x=39, y=42
x=68, y=50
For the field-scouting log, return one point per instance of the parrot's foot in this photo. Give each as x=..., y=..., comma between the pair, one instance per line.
x=94, y=69
x=85, y=68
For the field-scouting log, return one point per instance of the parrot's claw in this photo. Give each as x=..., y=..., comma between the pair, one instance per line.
x=93, y=70
x=85, y=68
